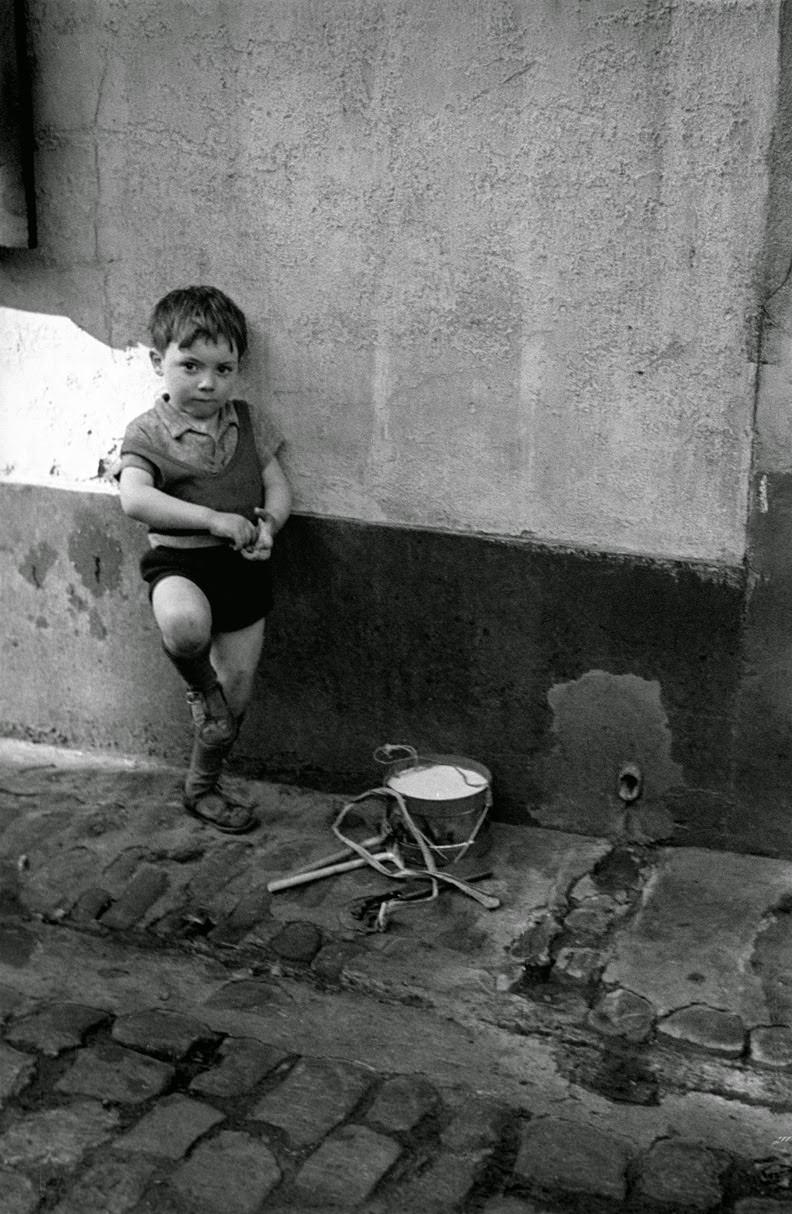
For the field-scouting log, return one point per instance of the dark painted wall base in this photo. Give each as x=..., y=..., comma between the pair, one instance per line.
x=455, y=644
x=553, y=668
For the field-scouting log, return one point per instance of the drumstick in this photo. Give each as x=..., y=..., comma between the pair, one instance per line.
x=314, y=874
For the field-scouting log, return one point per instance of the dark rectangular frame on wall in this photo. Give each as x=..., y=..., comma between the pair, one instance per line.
x=17, y=202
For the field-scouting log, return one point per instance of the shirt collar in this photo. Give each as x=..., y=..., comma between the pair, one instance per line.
x=178, y=423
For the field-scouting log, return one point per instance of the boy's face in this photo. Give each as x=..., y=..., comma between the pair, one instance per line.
x=199, y=378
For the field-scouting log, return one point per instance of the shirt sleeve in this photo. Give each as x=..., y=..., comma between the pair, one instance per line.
x=130, y=460
x=267, y=433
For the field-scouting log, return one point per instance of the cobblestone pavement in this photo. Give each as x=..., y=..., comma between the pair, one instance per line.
x=174, y=1038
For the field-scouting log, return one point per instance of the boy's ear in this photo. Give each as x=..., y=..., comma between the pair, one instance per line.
x=156, y=361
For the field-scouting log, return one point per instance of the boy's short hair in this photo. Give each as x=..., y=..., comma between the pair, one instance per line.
x=188, y=313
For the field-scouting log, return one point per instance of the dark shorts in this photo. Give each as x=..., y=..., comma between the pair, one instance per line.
x=239, y=591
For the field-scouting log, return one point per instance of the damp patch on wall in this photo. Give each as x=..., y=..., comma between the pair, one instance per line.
x=97, y=558
x=602, y=722
x=37, y=563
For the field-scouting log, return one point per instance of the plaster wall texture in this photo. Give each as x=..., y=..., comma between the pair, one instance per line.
x=764, y=721
x=773, y=438
x=501, y=259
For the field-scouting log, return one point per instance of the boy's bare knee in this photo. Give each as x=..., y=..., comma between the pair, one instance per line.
x=184, y=636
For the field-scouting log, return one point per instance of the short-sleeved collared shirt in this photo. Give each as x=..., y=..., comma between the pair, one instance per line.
x=179, y=436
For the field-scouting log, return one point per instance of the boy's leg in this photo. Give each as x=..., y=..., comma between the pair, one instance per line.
x=235, y=656
x=184, y=618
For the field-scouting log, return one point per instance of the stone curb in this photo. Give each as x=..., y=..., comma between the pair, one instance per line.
x=195, y=886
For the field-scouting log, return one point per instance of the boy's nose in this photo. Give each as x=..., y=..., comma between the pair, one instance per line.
x=207, y=383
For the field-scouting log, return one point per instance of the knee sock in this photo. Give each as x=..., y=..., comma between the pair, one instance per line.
x=197, y=670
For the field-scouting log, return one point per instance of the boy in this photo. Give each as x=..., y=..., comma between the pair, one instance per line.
x=213, y=496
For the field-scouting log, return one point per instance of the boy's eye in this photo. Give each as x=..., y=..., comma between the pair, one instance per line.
x=188, y=366
x=225, y=370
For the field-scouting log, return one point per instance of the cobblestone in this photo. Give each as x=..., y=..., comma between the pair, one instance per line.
x=621, y=1013
x=9, y=1000
x=477, y=1125
x=442, y=1184
x=57, y=1136
x=50, y=889
x=171, y=1128
x=122, y=868
x=402, y=1102
x=251, y=908
x=576, y=963
x=158, y=1032
x=111, y=1072
x=53, y=1029
x=91, y=903
x=230, y=1174
x=558, y=1154
x=216, y=870
x=146, y=887
x=331, y=960
x=323, y=1116
x=679, y=1173
x=17, y=1194
x=297, y=942
x=243, y=994
x=16, y=1069
x=772, y=1047
x=347, y=1167
x=243, y=1064
x=533, y=946
x=113, y=1185
x=592, y=917
x=16, y=945
x=707, y=1027
x=314, y=1098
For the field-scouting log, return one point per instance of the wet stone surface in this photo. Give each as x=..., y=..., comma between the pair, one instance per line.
x=233, y=1172
x=113, y=1073
x=682, y=1174
x=315, y=1097
x=772, y=1047
x=709, y=1028
x=60, y=1027
x=165, y=1033
x=561, y=1155
x=623, y=1014
x=132, y=1107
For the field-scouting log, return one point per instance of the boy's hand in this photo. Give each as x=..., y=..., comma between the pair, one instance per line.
x=233, y=527
x=261, y=548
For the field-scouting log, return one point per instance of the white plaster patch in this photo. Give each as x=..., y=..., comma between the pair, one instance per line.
x=67, y=398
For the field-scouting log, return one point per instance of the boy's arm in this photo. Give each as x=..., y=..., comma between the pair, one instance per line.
x=274, y=513
x=277, y=496
x=141, y=501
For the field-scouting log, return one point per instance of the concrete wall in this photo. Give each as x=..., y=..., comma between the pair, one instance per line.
x=763, y=733
x=500, y=258
x=504, y=264
x=552, y=667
